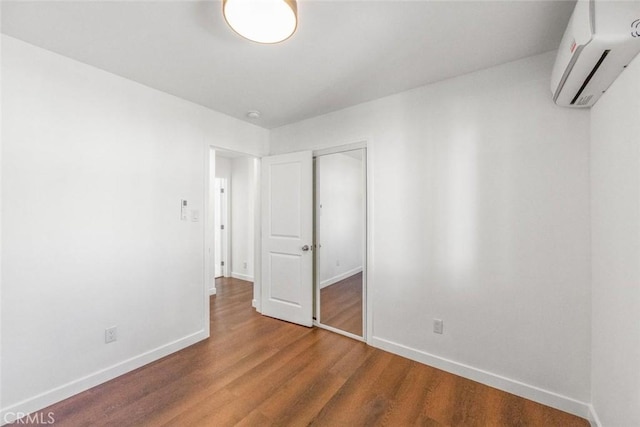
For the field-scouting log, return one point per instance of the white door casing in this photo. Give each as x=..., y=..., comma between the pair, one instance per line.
x=217, y=222
x=287, y=237
x=221, y=229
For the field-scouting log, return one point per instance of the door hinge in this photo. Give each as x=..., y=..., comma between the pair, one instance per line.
x=222, y=263
x=222, y=190
x=222, y=227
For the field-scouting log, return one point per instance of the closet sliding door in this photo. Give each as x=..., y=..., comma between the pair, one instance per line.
x=340, y=236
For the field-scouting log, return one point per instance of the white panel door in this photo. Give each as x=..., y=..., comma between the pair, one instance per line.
x=287, y=219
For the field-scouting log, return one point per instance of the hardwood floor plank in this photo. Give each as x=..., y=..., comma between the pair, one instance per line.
x=296, y=395
x=359, y=354
x=468, y=409
x=368, y=394
x=411, y=396
x=220, y=408
x=258, y=371
x=439, y=403
x=199, y=391
x=307, y=405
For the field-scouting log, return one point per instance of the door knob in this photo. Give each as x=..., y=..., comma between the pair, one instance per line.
x=305, y=248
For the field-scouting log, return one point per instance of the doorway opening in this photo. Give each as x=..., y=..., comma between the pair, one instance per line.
x=233, y=181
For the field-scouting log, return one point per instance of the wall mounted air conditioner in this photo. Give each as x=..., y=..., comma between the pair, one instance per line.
x=601, y=39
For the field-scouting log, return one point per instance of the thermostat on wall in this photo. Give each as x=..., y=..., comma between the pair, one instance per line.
x=183, y=210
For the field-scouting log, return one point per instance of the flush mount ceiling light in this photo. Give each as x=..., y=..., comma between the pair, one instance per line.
x=262, y=21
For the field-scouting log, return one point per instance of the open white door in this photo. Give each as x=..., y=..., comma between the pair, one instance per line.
x=287, y=220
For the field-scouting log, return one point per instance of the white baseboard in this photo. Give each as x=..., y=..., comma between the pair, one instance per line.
x=254, y=303
x=72, y=388
x=518, y=388
x=212, y=291
x=593, y=417
x=242, y=277
x=339, y=277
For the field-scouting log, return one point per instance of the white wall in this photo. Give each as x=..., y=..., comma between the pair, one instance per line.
x=223, y=168
x=480, y=218
x=615, y=207
x=93, y=170
x=243, y=193
x=340, y=195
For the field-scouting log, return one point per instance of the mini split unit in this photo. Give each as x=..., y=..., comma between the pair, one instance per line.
x=601, y=39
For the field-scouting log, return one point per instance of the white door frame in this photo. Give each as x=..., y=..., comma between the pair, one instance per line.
x=224, y=233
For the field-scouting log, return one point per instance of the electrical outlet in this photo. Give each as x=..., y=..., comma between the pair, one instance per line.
x=437, y=326
x=337, y=263
x=244, y=265
x=110, y=334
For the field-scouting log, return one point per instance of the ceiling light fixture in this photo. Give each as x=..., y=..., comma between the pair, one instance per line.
x=253, y=114
x=262, y=21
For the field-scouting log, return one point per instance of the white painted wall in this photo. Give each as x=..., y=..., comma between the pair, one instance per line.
x=93, y=170
x=243, y=193
x=340, y=196
x=223, y=168
x=480, y=218
x=615, y=207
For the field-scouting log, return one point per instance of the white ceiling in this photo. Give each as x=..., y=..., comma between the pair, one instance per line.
x=344, y=52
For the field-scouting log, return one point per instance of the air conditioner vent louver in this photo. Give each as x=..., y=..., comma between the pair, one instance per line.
x=584, y=100
x=594, y=50
x=593, y=72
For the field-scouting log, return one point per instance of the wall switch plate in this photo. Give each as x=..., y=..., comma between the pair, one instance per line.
x=110, y=334
x=195, y=215
x=183, y=210
x=437, y=326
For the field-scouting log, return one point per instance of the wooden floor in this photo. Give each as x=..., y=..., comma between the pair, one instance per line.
x=258, y=371
x=341, y=305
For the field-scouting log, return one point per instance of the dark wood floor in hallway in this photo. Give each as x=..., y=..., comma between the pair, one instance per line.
x=258, y=371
